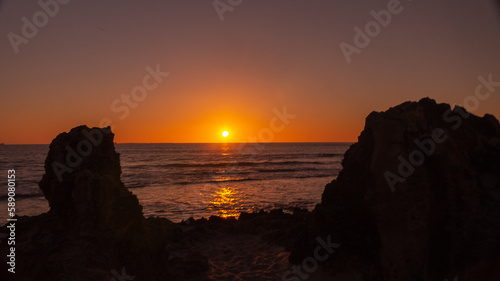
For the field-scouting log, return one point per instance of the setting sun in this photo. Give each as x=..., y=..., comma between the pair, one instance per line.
x=225, y=134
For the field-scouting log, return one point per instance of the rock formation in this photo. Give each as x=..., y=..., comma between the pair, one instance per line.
x=418, y=198
x=95, y=229
x=82, y=182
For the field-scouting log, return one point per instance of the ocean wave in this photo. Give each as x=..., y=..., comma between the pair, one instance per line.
x=214, y=181
x=286, y=170
x=314, y=176
x=243, y=163
x=252, y=179
x=260, y=160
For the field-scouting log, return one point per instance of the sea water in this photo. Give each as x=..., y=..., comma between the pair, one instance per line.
x=179, y=181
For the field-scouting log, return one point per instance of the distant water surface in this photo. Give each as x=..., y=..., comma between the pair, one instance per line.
x=178, y=181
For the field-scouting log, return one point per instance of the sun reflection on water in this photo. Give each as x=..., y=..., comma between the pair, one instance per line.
x=225, y=149
x=225, y=202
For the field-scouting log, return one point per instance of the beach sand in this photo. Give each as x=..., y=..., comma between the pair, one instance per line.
x=243, y=257
x=233, y=254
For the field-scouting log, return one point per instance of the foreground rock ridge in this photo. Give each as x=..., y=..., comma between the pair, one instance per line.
x=418, y=198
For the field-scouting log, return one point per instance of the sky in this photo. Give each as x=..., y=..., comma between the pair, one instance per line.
x=261, y=70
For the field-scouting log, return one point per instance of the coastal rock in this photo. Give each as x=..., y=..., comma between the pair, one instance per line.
x=95, y=229
x=418, y=198
x=82, y=182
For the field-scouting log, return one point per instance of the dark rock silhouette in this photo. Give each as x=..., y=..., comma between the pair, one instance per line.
x=430, y=219
x=91, y=194
x=95, y=229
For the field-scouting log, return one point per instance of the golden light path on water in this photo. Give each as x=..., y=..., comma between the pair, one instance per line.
x=224, y=202
x=225, y=199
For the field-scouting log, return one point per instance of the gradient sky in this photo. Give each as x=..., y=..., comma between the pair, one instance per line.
x=230, y=75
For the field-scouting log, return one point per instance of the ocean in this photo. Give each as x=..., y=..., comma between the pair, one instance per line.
x=179, y=181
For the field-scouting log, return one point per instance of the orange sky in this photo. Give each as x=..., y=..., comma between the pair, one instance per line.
x=230, y=75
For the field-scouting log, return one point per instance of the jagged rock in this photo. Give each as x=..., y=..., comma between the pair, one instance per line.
x=82, y=182
x=95, y=229
x=432, y=218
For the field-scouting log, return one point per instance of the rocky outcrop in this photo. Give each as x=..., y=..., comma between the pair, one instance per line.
x=82, y=182
x=95, y=229
x=418, y=198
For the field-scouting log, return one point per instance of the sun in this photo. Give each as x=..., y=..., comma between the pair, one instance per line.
x=225, y=134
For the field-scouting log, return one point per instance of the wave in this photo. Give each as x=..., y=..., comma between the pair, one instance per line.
x=286, y=170
x=299, y=155
x=133, y=185
x=230, y=164
x=214, y=181
x=252, y=179
x=315, y=176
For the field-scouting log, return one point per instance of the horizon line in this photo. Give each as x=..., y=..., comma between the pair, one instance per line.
x=197, y=142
